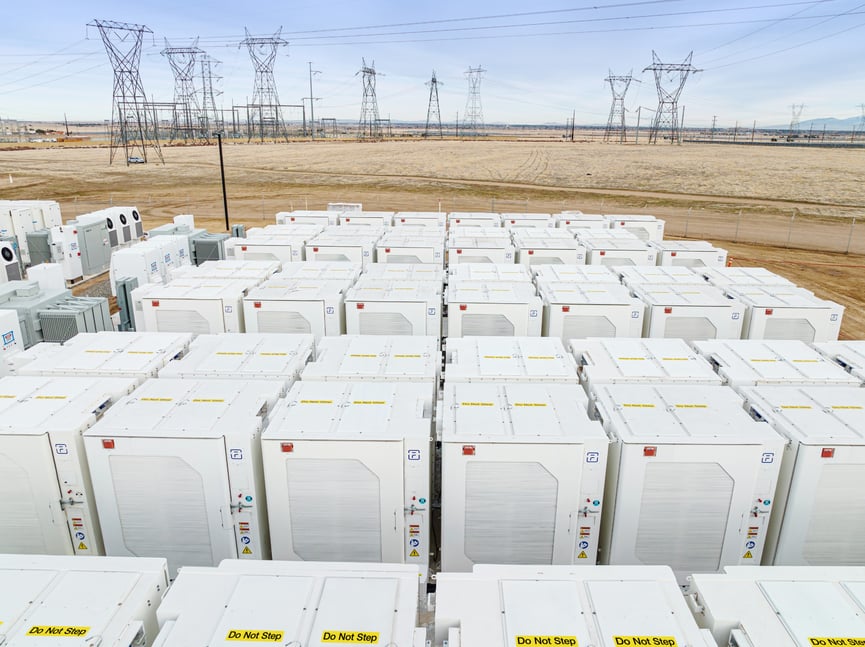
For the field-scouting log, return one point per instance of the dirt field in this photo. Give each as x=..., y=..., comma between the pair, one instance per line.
x=791, y=200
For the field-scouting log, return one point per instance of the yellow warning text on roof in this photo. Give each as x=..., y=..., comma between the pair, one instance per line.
x=807, y=361
x=674, y=359
x=846, y=406
x=208, y=400
x=50, y=397
x=273, y=354
x=497, y=357
x=368, y=402
x=630, y=359
x=337, y=637
x=228, y=352
x=795, y=406
x=692, y=406
x=476, y=404
x=638, y=405
x=157, y=399
x=140, y=352
x=58, y=631
x=530, y=404
x=541, y=357
x=666, y=641
x=255, y=635
x=316, y=401
x=93, y=350
x=545, y=640
x=845, y=641
x=406, y=356
x=363, y=355
x=764, y=360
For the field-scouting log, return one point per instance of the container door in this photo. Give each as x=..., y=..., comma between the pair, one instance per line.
x=33, y=522
x=163, y=497
x=336, y=501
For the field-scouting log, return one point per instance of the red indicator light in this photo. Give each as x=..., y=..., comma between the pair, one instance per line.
x=531, y=251
x=387, y=250
x=108, y=443
x=155, y=304
x=468, y=450
x=359, y=306
x=315, y=249
x=402, y=219
x=243, y=248
x=603, y=253
x=650, y=451
x=286, y=448
x=463, y=306
x=566, y=308
x=769, y=311
x=674, y=253
x=292, y=219
x=459, y=251
x=667, y=310
x=257, y=304
x=828, y=452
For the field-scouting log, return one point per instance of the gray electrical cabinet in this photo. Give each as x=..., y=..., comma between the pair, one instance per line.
x=95, y=247
x=209, y=247
x=27, y=299
x=125, y=286
x=39, y=244
x=67, y=318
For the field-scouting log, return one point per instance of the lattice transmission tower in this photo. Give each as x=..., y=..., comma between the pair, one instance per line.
x=185, y=116
x=369, y=125
x=795, y=119
x=433, y=115
x=133, y=126
x=265, y=112
x=669, y=80
x=474, y=117
x=616, y=127
x=210, y=116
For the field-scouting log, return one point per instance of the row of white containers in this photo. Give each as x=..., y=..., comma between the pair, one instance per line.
x=130, y=602
x=332, y=298
x=225, y=455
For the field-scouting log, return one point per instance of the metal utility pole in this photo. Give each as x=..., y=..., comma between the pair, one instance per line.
x=616, y=127
x=433, y=116
x=133, y=128
x=714, y=121
x=185, y=114
x=211, y=117
x=795, y=119
x=218, y=134
x=369, y=125
x=473, y=120
x=669, y=81
x=312, y=99
x=266, y=112
x=573, y=123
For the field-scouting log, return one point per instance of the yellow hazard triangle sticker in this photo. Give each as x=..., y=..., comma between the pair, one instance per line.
x=414, y=553
x=246, y=551
x=748, y=555
x=582, y=555
x=82, y=546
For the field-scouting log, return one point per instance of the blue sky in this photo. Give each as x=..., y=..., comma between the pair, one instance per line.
x=758, y=56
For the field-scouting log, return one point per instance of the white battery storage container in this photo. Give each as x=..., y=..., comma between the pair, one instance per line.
x=635, y=276
x=613, y=251
x=691, y=479
x=420, y=272
x=748, y=362
x=476, y=249
x=782, y=606
x=144, y=262
x=397, y=247
x=393, y=308
x=176, y=471
x=43, y=472
x=474, y=219
x=725, y=277
x=503, y=606
x=375, y=218
x=788, y=313
x=375, y=358
x=848, y=354
x=549, y=251
x=639, y=361
x=435, y=219
x=577, y=310
x=306, y=217
x=198, y=306
x=298, y=306
x=510, y=359
x=528, y=220
x=347, y=467
x=647, y=228
x=135, y=355
x=488, y=272
x=292, y=603
x=323, y=270
x=244, y=356
x=820, y=502
x=690, y=312
x=689, y=253
x=590, y=274
x=354, y=248
x=231, y=270
x=575, y=221
x=523, y=471
x=291, y=230
x=51, y=600
x=284, y=249
x=479, y=308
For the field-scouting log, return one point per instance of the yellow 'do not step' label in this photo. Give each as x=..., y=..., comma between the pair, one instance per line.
x=255, y=635
x=337, y=637
x=61, y=631
x=666, y=641
x=839, y=641
x=546, y=640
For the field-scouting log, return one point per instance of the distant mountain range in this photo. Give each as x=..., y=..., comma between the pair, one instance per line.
x=831, y=123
